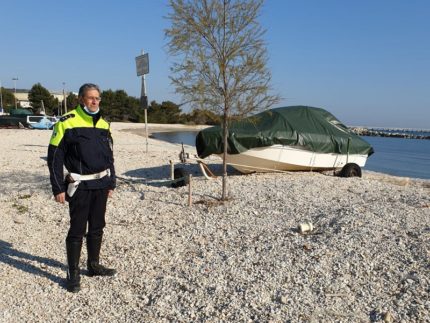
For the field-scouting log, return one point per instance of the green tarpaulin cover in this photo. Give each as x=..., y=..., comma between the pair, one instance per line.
x=303, y=127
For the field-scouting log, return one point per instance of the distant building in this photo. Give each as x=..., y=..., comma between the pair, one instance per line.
x=21, y=96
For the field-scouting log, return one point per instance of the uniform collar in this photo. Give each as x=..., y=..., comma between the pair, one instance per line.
x=90, y=117
x=85, y=108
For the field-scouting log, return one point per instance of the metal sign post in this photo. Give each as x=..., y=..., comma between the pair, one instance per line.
x=142, y=68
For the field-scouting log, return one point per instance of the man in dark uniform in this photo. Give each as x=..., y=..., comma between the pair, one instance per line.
x=82, y=142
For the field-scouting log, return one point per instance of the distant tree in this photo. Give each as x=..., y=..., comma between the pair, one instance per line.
x=135, y=112
x=72, y=101
x=221, y=58
x=118, y=106
x=166, y=112
x=8, y=99
x=56, y=103
x=206, y=117
x=39, y=94
x=112, y=104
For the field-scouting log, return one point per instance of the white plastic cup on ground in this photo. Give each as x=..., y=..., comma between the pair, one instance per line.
x=305, y=227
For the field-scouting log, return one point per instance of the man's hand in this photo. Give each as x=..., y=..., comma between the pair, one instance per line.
x=110, y=193
x=60, y=197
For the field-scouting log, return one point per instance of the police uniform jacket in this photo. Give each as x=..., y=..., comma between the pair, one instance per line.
x=83, y=144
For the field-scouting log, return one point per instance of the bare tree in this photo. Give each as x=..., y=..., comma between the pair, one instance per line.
x=221, y=59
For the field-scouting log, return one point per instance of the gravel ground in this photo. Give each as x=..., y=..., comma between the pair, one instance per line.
x=367, y=259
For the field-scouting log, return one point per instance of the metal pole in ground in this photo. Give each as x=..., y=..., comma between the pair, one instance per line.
x=189, y=190
x=144, y=102
x=172, y=170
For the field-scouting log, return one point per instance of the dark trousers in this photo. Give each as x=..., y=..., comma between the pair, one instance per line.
x=87, y=206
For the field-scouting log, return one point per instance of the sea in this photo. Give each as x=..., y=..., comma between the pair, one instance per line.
x=393, y=156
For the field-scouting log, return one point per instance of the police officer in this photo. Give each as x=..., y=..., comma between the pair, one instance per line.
x=82, y=142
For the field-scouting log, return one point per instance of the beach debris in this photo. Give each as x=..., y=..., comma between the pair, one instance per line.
x=181, y=177
x=189, y=190
x=307, y=247
x=388, y=317
x=284, y=300
x=337, y=295
x=172, y=170
x=305, y=227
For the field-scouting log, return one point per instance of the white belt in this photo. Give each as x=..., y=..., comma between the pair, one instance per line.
x=72, y=187
x=79, y=177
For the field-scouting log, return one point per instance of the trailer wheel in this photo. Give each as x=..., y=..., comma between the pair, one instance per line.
x=350, y=170
x=182, y=174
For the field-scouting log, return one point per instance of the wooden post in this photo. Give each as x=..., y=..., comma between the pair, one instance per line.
x=172, y=170
x=189, y=190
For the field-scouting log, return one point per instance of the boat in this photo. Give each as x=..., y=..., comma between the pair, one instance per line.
x=295, y=138
x=24, y=118
x=41, y=122
x=16, y=119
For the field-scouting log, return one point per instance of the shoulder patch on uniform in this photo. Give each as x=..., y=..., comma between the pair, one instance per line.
x=71, y=115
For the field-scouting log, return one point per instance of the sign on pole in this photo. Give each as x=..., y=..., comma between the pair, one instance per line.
x=142, y=64
x=142, y=68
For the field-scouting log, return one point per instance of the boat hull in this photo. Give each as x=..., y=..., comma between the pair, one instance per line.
x=286, y=158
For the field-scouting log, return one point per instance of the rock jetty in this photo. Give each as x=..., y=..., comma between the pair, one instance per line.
x=406, y=133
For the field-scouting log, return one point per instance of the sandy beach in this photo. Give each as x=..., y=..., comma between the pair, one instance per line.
x=367, y=259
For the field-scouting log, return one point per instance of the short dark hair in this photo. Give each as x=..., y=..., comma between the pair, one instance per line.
x=87, y=86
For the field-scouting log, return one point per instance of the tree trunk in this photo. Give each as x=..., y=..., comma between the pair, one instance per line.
x=224, y=159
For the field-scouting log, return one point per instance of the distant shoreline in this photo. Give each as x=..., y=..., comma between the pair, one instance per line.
x=139, y=128
x=155, y=127
x=361, y=131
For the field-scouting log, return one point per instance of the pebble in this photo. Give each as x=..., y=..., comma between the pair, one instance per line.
x=241, y=260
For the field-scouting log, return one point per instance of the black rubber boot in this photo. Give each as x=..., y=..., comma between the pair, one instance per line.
x=73, y=280
x=94, y=267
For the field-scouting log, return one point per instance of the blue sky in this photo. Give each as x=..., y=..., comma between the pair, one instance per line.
x=367, y=61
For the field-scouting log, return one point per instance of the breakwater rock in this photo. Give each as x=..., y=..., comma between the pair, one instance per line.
x=406, y=133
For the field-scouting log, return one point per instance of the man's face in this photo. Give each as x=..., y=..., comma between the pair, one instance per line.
x=92, y=100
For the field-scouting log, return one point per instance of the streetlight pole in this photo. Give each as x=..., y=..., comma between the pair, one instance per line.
x=1, y=98
x=64, y=97
x=14, y=86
